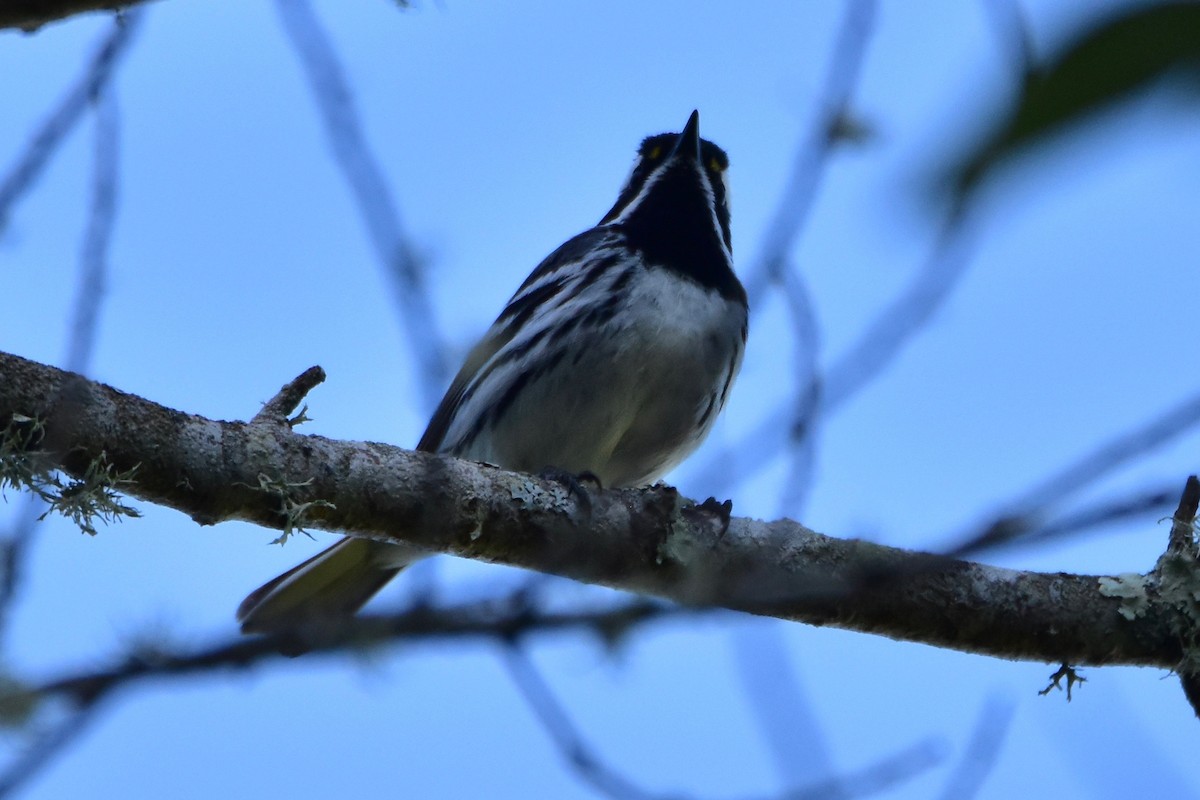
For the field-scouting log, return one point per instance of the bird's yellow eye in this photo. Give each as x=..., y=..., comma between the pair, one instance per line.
x=655, y=152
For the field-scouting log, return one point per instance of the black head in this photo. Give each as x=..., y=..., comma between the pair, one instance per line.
x=675, y=205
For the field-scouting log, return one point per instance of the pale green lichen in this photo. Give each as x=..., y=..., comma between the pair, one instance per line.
x=1130, y=589
x=549, y=493
x=523, y=492
x=293, y=510
x=19, y=467
x=680, y=543
x=1179, y=588
x=83, y=500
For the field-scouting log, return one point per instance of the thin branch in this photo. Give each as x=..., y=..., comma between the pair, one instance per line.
x=290, y=396
x=877, y=348
x=884, y=775
x=402, y=268
x=813, y=151
x=1026, y=513
x=1036, y=528
x=1109, y=455
x=1144, y=504
x=22, y=176
x=879, y=777
x=907, y=315
x=804, y=423
x=563, y=732
x=508, y=619
x=1183, y=522
x=1183, y=552
x=93, y=258
x=780, y=704
x=93, y=268
x=505, y=619
x=772, y=265
x=45, y=746
x=982, y=752
x=29, y=15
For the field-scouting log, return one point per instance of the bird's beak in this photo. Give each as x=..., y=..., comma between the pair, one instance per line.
x=688, y=145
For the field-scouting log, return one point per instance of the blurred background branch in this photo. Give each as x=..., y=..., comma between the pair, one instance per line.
x=93, y=91
x=1066, y=84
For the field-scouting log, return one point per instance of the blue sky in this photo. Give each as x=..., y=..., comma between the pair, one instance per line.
x=503, y=129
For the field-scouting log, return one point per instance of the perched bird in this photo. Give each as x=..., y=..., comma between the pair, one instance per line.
x=613, y=358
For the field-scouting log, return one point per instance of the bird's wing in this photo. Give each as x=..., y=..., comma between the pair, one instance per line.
x=541, y=285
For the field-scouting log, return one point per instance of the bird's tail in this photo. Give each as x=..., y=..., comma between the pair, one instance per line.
x=326, y=589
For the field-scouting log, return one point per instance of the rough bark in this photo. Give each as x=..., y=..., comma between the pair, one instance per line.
x=651, y=541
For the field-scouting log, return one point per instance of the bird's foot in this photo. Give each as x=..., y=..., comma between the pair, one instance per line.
x=574, y=483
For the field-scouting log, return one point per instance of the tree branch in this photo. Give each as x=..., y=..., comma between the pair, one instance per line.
x=403, y=269
x=29, y=15
x=48, y=138
x=511, y=619
x=650, y=541
x=1179, y=562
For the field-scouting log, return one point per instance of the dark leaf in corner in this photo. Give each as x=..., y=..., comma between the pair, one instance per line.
x=1109, y=63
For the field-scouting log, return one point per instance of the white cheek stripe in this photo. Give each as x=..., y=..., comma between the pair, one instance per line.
x=709, y=195
x=653, y=178
x=712, y=210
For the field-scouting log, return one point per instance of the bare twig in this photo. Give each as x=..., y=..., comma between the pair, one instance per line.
x=403, y=270
x=1026, y=514
x=93, y=261
x=884, y=775
x=285, y=402
x=1182, y=548
x=982, y=750
x=1034, y=527
x=506, y=619
x=1115, y=452
x=881, y=776
x=804, y=420
x=563, y=732
x=45, y=143
x=29, y=15
x=907, y=315
x=771, y=266
x=814, y=148
x=875, y=350
x=1183, y=522
x=778, y=699
x=1143, y=504
x=44, y=747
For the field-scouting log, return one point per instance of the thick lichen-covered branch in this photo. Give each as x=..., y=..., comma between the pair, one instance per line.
x=651, y=541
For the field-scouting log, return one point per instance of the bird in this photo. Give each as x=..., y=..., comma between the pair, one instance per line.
x=612, y=360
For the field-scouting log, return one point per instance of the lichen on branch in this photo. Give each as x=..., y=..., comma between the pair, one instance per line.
x=650, y=541
x=92, y=496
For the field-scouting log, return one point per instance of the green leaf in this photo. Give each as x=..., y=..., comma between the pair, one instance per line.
x=1108, y=63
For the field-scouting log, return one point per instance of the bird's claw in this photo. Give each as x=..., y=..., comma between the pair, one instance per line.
x=574, y=483
x=721, y=510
